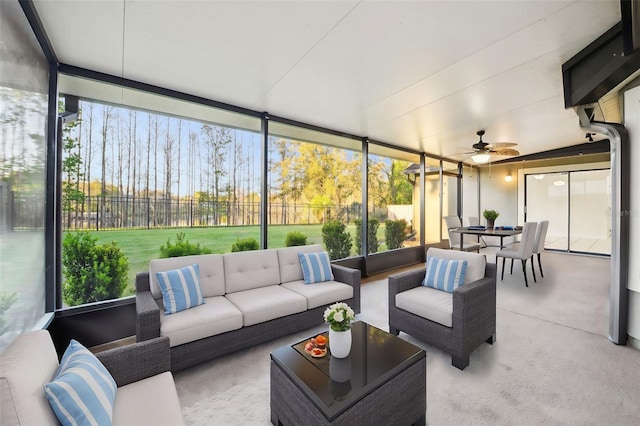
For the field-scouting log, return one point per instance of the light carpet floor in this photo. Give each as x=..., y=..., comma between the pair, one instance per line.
x=551, y=363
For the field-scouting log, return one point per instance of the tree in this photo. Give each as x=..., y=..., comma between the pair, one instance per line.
x=217, y=138
x=71, y=163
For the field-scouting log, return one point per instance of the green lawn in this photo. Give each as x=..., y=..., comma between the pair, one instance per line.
x=142, y=245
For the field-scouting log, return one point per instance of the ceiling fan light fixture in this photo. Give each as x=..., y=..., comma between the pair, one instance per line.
x=481, y=158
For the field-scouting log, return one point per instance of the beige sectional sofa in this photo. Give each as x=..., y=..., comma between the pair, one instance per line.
x=250, y=297
x=145, y=395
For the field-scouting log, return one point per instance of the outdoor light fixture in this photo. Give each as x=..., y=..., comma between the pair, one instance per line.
x=508, y=177
x=481, y=158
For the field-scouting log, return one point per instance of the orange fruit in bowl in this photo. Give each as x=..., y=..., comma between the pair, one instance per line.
x=321, y=341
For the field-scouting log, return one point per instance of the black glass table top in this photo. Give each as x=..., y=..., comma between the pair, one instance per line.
x=336, y=384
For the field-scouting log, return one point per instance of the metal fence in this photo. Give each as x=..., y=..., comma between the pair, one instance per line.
x=21, y=211
x=107, y=212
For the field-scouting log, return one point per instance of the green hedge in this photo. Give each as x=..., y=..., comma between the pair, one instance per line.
x=336, y=240
x=245, y=244
x=372, y=235
x=182, y=247
x=394, y=233
x=92, y=272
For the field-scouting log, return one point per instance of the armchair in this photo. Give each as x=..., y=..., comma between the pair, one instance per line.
x=455, y=322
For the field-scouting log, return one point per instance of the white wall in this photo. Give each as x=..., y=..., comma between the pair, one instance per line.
x=632, y=123
x=500, y=195
x=469, y=192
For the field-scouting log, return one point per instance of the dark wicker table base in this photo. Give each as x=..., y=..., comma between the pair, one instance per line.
x=401, y=400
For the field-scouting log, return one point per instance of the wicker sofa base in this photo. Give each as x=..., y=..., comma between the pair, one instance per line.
x=400, y=401
x=199, y=351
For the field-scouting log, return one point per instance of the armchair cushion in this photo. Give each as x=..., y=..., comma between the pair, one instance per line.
x=180, y=289
x=83, y=391
x=156, y=394
x=429, y=303
x=316, y=267
x=443, y=274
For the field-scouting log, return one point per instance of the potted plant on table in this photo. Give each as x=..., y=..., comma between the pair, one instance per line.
x=490, y=216
x=339, y=316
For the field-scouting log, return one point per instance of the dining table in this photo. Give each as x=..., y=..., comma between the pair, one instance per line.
x=482, y=231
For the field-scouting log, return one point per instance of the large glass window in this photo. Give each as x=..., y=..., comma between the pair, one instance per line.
x=315, y=181
x=577, y=205
x=159, y=177
x=590, y=211
x=393, y=203
x=547, y=196
x=24, y=78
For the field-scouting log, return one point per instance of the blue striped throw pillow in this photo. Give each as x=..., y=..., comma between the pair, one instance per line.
x=180, y=289
x=445, y=274
x=82, y=391
x=316, y=267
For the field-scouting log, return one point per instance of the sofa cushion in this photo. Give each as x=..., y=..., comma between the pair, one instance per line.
x=83, y=391
x=25, y=366
x=290, y=268
x=429, y=303
x=152, y=401
x=316, y=267
x=267, y=303
x=320, y=294
x=476, y=263
x=180, y=289
x=217, y=315
x=211, y=272
x=443, y=274
x=250, y=269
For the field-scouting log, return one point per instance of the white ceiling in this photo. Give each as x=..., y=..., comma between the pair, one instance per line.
x=424, y=75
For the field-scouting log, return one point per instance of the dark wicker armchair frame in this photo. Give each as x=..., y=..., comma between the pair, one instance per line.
x=474, y=315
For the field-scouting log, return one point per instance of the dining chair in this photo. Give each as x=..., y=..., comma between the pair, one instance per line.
x=522, y=251
x=538, y=245
x=453, y=222
x=468, y=221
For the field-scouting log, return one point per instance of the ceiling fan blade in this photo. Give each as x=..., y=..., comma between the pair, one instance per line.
x=501, y=145
x=506, y=151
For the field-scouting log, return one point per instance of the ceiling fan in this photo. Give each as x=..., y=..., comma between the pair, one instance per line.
x=483, y=151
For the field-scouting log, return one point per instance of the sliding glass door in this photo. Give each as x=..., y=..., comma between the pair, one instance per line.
x=577, y=206
x=590, y=207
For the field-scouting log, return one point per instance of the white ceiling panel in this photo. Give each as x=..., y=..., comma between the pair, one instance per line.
x=230, y=51
x=425, y=75
x=384, y=47
x=86, y=34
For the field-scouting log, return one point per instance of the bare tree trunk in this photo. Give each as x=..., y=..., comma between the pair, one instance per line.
x=88, y=160
x=168, y=154
x=179, y=174
x=106, y=118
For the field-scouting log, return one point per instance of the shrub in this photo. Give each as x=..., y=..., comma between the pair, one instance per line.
x=336, y=240
x=394, y=233
x=245, y=244
x=295, y=238
x=182, y=247
x=372, y=235
x=92, y=272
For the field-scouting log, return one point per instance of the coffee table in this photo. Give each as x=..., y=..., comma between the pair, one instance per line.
x=382, y=381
